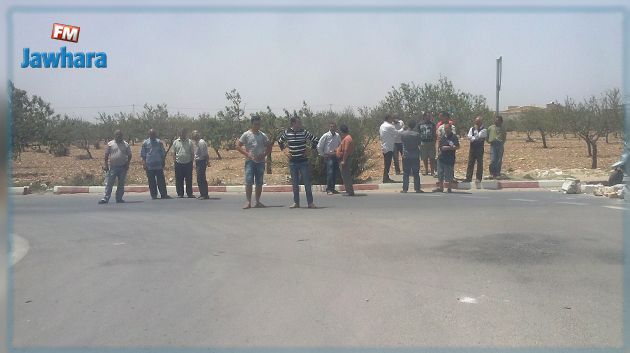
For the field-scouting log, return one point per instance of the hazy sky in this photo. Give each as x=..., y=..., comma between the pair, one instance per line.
x=189, y=60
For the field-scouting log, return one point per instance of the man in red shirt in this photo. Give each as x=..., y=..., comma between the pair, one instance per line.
x=445, y=118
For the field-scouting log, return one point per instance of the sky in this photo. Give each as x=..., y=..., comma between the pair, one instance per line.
x=332, y=61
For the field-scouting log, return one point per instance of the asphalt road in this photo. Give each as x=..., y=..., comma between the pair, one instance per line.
x=482, y=269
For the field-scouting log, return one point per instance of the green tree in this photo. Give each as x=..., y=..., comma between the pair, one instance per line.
x=612, y=111
x=535, y=120
x=232, y=119
x=410, y=100
x=587, y=123
x=270, y=125
x=84, y=133
x=212, y=129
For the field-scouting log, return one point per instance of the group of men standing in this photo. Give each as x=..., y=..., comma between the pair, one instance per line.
x=413, y=141
x=335, y=147
x=419, y=141
x=185, y=152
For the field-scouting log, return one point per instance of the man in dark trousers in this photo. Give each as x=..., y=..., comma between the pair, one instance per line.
x=411, y=157
x=153, y=155
x=200, y=148
x=477, y=136
x=297, y=139
x=427, y=143
x=449, y=143
x=183, y=155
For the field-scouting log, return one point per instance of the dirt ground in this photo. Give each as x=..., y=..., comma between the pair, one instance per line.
x=522, y=160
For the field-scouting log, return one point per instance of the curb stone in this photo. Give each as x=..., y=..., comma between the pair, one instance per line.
x=20, y=190
x=486, y=184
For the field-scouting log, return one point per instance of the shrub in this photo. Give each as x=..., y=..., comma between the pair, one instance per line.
x=86, y=179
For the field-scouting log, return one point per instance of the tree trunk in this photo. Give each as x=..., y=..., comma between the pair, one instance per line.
x=564, y=135
x=544, y=138
x=268, y=166
x=216, y=150
x=607, y=133
x=594, y=157
x=590, y=149
x=529, y=137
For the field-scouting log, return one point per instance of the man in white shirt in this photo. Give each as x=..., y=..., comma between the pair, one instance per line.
x=398, y=144
x=477, y=136
x=326, y=148
x=117, y=159
x=183, y=156
x=201, y=163
x=388, y=133
x=255, y=146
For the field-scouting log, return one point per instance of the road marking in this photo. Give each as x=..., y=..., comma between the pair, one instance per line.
x=572, y=203
x=467, y=300
x=617, y=208
x=524, y=200
x=120, y=243
x=20, y=248
x=477, y=197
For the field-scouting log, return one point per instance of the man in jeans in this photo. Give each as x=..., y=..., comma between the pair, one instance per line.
x=427, y=143
x=153, y=156
x=344, y=151
x=201, y=163
x=387, y=132
x=446, y=161
x=496, y=138
x=183, y=157
x=411, y=157
x=477, y=136
x=296, y=138
x=117, y=158
x=326, y=147
x=255, y=146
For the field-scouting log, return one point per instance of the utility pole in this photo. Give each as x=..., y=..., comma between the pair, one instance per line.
x=499, y=71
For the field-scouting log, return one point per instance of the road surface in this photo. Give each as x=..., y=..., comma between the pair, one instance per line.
x=480, y=269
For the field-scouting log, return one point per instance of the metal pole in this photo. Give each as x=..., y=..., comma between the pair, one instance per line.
x=499, y=69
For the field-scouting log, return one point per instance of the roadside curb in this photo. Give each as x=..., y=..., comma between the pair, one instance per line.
x=485, y=185
x=20, y=190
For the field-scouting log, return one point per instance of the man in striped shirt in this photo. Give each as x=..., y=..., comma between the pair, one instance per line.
x=296, y=139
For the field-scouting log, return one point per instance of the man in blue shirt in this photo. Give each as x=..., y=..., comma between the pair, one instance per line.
x=153, y=155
